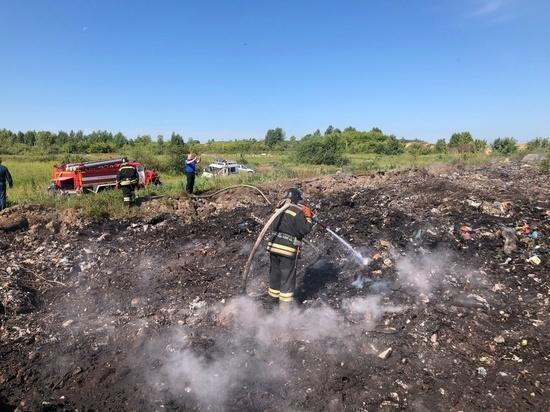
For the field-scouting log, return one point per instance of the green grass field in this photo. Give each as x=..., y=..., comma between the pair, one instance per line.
x=32, y=178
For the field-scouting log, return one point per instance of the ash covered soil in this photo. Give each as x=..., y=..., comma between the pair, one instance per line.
x=146, y=314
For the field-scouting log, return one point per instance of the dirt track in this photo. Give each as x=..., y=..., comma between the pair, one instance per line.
x=145, y=315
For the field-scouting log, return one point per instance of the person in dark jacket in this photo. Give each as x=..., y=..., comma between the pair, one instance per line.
x=190, y=169
x=288, y=230
x=128, y=180
x=5, y=177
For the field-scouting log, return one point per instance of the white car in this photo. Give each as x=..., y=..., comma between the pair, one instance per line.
x=222, y=167
x=245, y=169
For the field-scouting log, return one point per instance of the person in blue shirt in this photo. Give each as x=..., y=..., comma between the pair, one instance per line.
x=5, y=177
x=190, y=170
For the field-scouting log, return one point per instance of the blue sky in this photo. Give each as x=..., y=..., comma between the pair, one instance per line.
x=233, y=69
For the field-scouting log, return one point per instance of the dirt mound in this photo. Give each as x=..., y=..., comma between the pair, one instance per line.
x=145, y=314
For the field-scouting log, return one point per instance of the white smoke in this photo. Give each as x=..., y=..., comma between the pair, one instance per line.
x=253, y=345
x=423, y=273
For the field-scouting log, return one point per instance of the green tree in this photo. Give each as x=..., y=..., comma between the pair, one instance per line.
x=119, y=140
x=176, y=139
x=462, y=142
x=321, y=150
x=505, y=145
x=45, y=141
x=387, y=145
x=329, y=130
x=539, y=143
x=480, y=145
x=440, y=146
x=143, y=139
x=274, y=137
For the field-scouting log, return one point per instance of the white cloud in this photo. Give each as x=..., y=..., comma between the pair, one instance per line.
x=489, y=7
x=493, y=11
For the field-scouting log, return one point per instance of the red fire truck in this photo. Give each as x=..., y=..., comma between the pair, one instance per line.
x=95, y=176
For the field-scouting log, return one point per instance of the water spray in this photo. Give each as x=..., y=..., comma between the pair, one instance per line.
x=363, y=261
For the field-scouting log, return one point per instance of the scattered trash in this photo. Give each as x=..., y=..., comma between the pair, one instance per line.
x=67, y=323
x=466, y=232
x=508, y=260
x=499, y=339
x=487, y=360
x=510, y=240
x=535, y=260
x=500, y=209
x=473, y=203
x=196, y=304
x=467, y=305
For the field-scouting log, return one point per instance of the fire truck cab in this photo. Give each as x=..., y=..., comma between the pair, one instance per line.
x=96, y=176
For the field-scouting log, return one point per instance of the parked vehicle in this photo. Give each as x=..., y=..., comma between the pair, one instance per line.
x=245, y=169
x=94, y=176
x=221, y=167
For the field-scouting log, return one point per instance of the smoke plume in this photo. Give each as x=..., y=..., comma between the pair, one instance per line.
x=252, y=345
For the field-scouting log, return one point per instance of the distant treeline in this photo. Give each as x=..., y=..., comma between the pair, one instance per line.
x=310, y=148
x=101, y=141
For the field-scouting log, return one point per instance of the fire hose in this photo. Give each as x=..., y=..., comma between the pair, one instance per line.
x=260, y=237
x=278, y=211
x=217, y=192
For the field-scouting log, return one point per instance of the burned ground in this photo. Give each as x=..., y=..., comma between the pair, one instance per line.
x=451, y=314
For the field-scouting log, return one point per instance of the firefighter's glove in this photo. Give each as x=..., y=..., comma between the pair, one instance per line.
x=307, y=212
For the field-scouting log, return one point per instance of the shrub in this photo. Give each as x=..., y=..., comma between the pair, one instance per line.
x=440, y=146
x=144, y=153
x=417, y=149
x=390, y=146
x=540, y=143
x=318, y=150
x=505, y=145
x=462, y=142
x=176, y=154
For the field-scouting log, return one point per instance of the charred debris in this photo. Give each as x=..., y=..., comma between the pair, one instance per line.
x=451, y=313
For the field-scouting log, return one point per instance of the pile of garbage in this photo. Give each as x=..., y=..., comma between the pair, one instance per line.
x=450, y=313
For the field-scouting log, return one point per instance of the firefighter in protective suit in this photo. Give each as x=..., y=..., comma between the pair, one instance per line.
x=288, y=230
x=127, y=180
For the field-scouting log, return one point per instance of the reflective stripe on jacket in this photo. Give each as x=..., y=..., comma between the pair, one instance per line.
x=288, y=229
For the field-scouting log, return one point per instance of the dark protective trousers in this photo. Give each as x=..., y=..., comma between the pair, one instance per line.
x=129, y=194
x=282, y=277
x=3, y=200
x=190, y=182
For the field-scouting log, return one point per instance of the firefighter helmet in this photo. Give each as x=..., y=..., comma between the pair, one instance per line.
x=294, y=195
